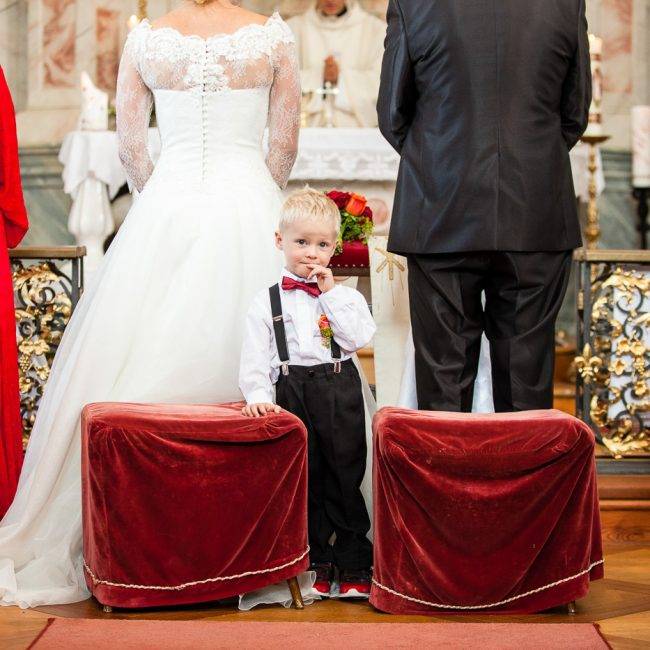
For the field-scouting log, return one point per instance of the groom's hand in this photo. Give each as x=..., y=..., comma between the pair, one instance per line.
x=324, y=277
x=257, y=410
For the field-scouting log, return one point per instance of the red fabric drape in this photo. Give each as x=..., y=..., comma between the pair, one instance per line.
x=495, y=512
x=13, y=226
x=186, y=504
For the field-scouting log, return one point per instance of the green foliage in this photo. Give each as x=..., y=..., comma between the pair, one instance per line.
x=355, y=228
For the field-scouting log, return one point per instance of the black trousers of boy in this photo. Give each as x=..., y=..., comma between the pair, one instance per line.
x=331, y=406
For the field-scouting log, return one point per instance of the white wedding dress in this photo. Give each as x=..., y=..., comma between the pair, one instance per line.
x=161, y=320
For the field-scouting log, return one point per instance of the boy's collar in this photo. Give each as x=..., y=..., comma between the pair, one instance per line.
x=286, y=272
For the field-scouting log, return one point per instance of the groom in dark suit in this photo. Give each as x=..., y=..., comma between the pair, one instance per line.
x=483, y=100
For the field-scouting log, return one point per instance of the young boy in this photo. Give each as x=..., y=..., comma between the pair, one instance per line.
x=300, y=335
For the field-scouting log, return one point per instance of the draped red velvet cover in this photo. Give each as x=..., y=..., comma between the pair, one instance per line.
x=354, y=255
x=491, y=512
x=13, y=226
x=184, y=504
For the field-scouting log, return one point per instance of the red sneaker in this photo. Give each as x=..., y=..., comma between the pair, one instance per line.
x=355, y=583
x=324, y=577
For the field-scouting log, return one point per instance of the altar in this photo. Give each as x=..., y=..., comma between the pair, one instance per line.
x=354, y=159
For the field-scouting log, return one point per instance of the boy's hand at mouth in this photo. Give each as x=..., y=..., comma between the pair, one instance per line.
x=324, y=276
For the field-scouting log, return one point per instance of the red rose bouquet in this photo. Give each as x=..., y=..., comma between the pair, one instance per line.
x=356, y=217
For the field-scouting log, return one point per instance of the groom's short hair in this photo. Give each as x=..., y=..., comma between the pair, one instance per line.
x=309, y=205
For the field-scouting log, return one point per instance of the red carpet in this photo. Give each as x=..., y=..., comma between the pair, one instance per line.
x=69, y=634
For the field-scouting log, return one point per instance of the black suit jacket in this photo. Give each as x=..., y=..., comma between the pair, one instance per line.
x=483, y=100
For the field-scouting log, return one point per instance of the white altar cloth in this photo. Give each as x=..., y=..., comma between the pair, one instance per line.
x=345, y=154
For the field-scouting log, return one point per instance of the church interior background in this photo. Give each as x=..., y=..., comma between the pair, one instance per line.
x=46, y=45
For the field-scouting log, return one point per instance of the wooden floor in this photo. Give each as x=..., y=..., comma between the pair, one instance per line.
x=620, y=604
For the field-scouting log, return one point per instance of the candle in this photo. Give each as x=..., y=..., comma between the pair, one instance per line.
x=595, y=126
x=132, y=22
x=641, y=146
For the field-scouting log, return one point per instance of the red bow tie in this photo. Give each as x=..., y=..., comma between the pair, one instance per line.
x=289, y=284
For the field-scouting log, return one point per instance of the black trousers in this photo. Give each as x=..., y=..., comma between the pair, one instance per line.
x=331, y=406
x=524, y=293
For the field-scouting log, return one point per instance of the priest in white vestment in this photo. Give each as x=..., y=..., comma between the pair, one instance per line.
x=340, y=43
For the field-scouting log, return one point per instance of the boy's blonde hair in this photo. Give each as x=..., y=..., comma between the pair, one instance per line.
x=308, y=204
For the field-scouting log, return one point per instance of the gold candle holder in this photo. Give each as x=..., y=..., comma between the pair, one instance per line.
x=592, y=229
x=142, y=9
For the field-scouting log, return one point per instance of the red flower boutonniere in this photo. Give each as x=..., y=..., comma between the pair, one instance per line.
x=326, y=334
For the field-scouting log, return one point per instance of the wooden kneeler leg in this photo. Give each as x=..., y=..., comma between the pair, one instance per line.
x=296, y=596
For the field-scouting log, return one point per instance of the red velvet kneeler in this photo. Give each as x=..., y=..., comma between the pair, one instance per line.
x=184, y=504
x=472, y=512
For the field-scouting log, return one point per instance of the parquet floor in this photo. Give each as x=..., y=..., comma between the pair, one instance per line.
x=620, y=604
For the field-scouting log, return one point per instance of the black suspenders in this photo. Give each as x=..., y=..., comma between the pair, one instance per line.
x=281, y=335
x=278, y=328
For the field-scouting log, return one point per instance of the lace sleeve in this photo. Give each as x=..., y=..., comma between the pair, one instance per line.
x=133, y=103
x=284, y=111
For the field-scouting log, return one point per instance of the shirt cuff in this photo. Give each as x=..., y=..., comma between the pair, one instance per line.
x=259, y=396
x=334, y=298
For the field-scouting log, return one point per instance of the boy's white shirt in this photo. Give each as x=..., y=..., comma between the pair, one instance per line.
x=348, y=315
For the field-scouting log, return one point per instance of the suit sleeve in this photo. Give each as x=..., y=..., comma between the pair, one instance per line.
x=397, y=94
x=576, y=90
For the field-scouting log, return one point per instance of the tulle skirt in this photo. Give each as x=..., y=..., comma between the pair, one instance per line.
x=160, y=321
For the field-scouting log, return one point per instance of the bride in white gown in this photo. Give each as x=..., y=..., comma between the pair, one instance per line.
x=161, y=320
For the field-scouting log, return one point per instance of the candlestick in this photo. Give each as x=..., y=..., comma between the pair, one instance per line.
x=595, y=126
x=592, y=229
x=142, y=9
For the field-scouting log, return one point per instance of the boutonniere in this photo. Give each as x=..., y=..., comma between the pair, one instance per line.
x=326, y=334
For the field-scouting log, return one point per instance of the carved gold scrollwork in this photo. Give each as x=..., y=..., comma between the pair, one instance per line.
x=43, y=306
x=588, y=365
x=616, y=366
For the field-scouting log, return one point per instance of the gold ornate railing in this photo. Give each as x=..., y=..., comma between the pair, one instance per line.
x=613, y=378
x=47, y=283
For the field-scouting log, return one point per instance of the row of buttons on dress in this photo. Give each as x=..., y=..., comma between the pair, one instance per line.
x=204, y=117
x=213, y=79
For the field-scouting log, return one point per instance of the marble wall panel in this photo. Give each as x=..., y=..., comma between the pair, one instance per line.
x=107, y=33
x=47, y=205
x=616, y=33
x=59, y=19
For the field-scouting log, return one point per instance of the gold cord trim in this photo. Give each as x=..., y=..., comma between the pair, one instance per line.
x=97, y=581
x=501, y=602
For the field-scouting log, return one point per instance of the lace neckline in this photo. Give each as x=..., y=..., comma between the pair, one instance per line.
x=218, y=36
